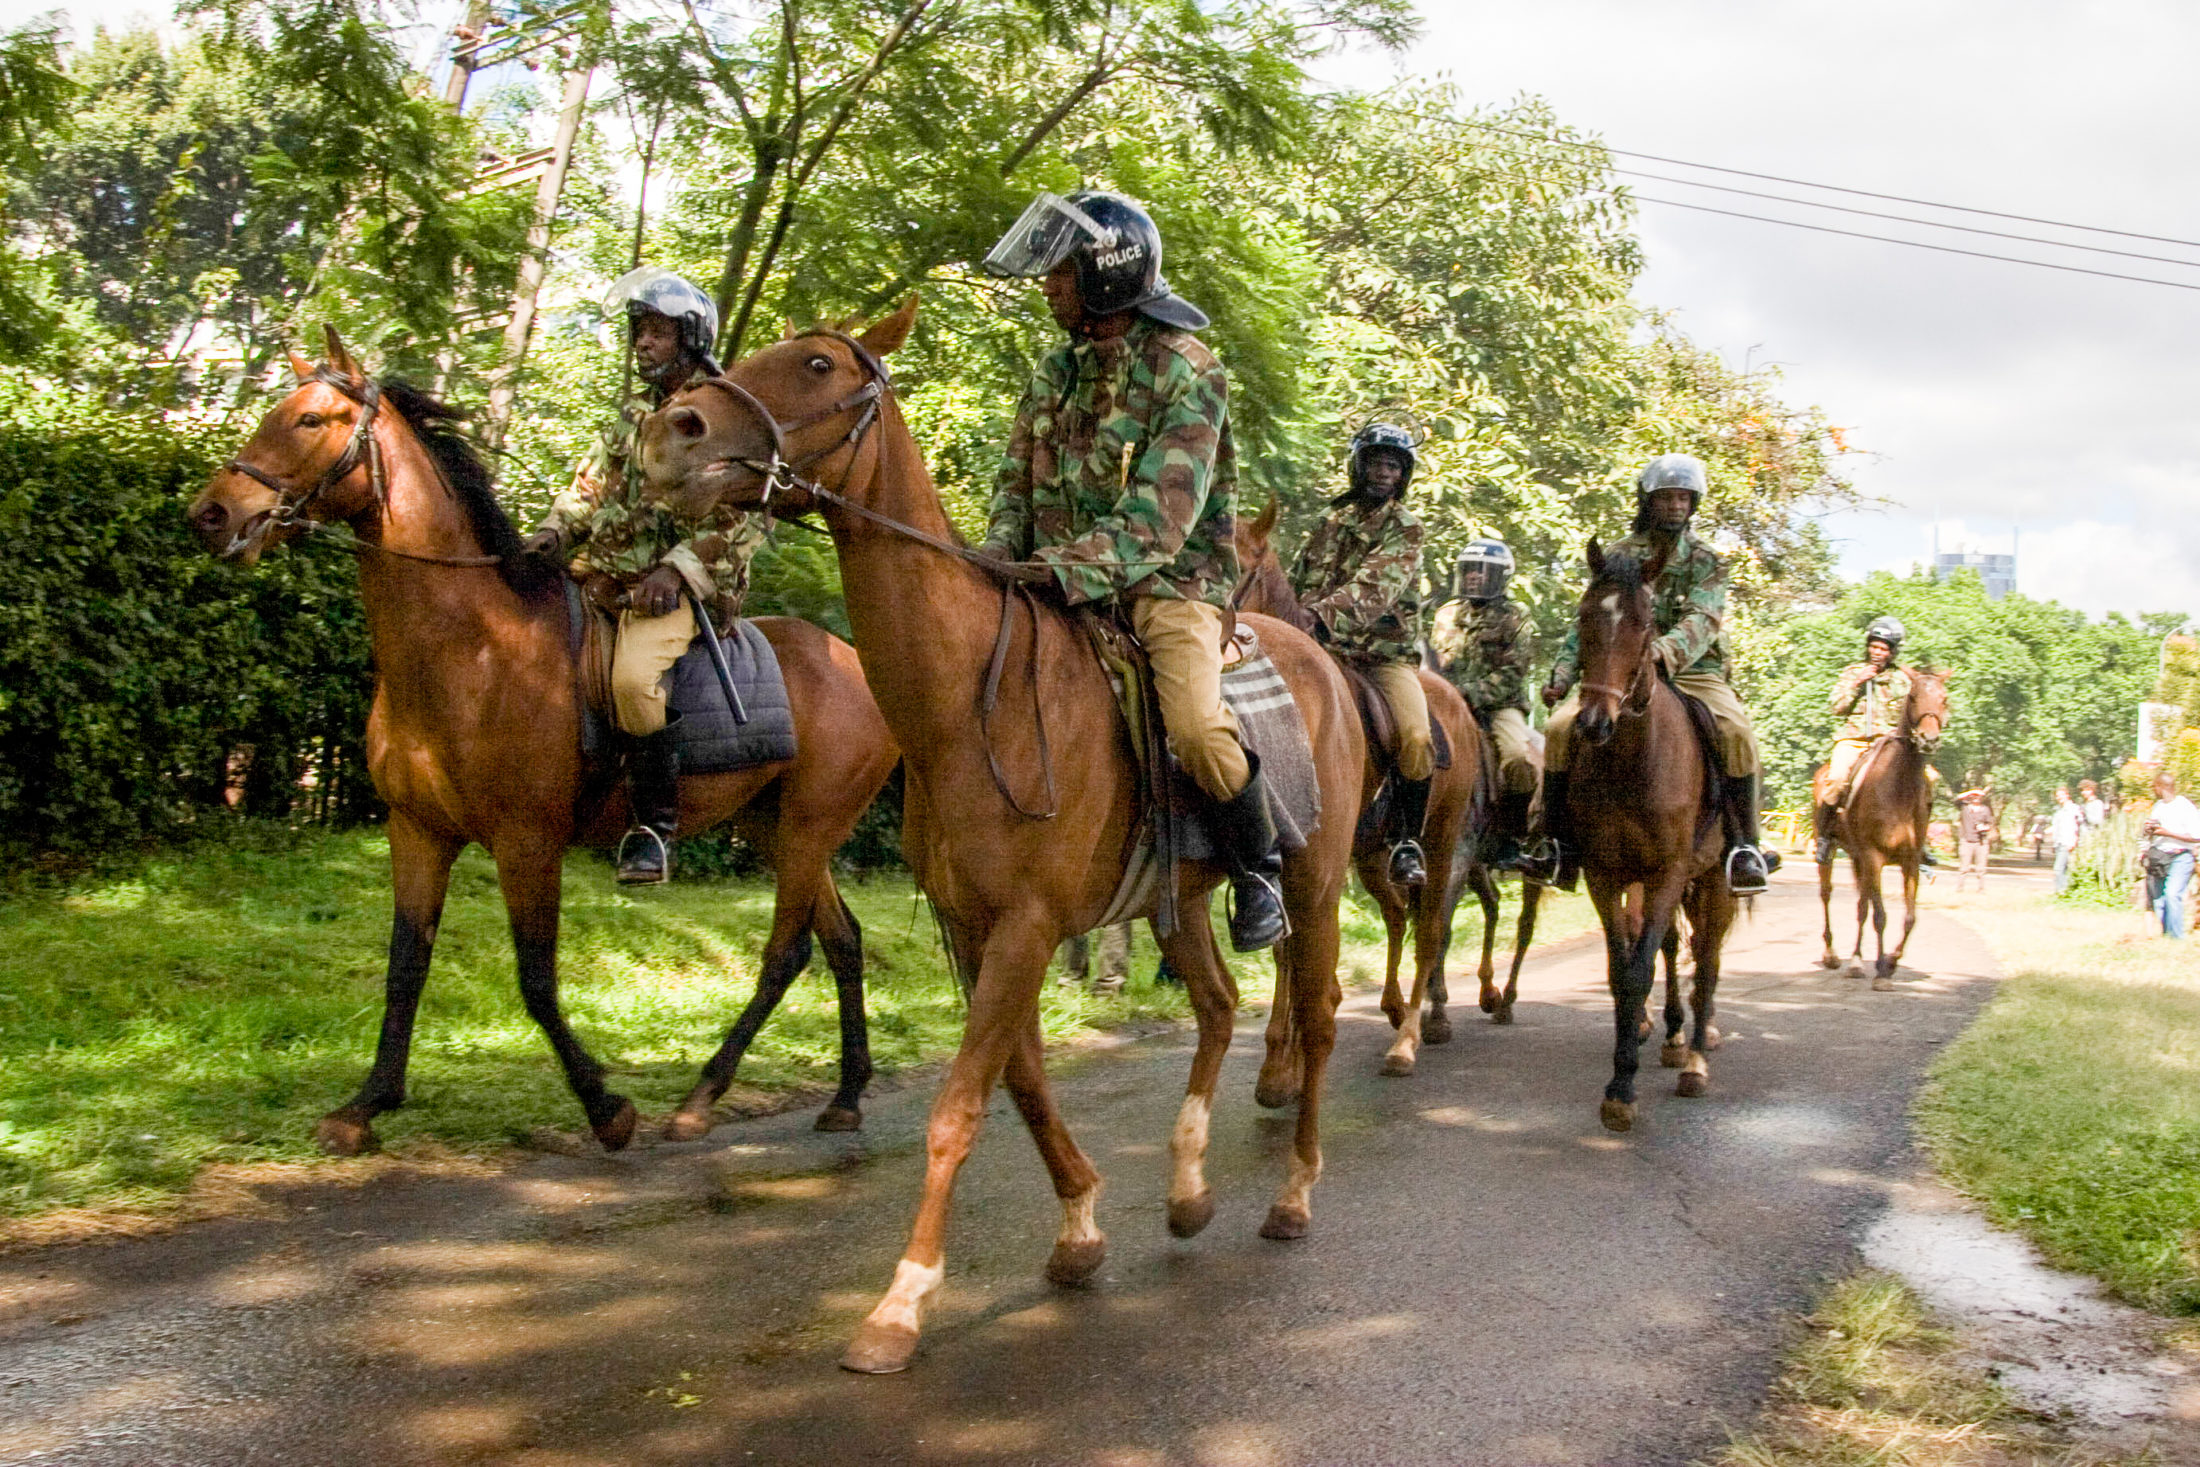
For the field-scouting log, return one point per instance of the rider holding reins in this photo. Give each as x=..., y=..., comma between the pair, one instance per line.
x=642, y=561
x=1120, y=475
x=1359, y=577
x=1868, y=698
x=1689, y=607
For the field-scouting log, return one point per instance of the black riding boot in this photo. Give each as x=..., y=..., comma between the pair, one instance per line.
x=1511, y=828
x=1551, y=859
x=1408, y=867
x=1249, y=849
x=1747, y=865
x=653, y=787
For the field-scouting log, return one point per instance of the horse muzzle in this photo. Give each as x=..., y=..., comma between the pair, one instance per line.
x=1595, y=724
x=231, y=533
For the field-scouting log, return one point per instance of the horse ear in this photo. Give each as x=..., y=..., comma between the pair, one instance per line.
x=788, y=331
x=889, y=334
x=299, y=366
x=1264, y=523
x=1596, y=557
x=339, y=355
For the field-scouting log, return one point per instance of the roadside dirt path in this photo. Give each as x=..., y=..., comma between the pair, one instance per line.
x=1491, y=1279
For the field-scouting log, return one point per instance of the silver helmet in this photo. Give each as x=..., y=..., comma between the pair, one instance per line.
x=654, y=290
x=1886, y=629
x=1485, y=567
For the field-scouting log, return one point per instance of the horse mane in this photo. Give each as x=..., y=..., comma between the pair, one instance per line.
x=1621, y=569
x=435, y=423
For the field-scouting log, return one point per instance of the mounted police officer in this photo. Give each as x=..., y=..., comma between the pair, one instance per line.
x=1485, y=645
x=643, y=562
x=1359, y=577
x=1120, y=475
x=1868, y=698
x=1689, y=607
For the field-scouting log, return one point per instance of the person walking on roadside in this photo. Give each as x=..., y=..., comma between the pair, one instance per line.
x=1974, y=827
x=2172, y=830
x=2089, y=804
x=1115, y=961
x=2062, y=833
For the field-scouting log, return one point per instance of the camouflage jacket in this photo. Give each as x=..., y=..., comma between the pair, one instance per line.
x=1689, y=606
x=603, y=517
x=1120, y=470
x=1359, y=576
x=1869, y=701
x=1487, y=650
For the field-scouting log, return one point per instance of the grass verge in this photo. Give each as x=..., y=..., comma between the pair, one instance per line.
x=2071, y=1109
x=1875, y=1384
x=189, y=1017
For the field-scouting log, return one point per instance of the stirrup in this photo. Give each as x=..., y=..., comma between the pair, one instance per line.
x=1230, y=912
x=1408, y=864
x=640, y=876
x=1757, y=885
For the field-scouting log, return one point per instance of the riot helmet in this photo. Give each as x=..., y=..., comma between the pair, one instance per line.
x=1112, y=242
x=1885, y=629
x=1485, y=567
x=1668, y=471
x=655, y=290
x=1378, y=438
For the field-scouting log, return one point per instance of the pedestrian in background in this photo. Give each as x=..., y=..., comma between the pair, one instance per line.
x=2172, y=830
x=1115, y=961
x=1974, y=826
x=2089, y=804
x=2062, y=832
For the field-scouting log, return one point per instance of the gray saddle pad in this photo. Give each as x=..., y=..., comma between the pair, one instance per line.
x=711, y=739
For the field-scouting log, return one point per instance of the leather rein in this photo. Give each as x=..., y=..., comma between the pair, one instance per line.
x=779, y=472
x=361, y=449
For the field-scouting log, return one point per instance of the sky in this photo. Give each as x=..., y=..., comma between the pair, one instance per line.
x=2007, y=404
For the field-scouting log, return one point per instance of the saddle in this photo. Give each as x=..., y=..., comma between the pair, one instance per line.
x=1380, y=824
x=1707, y=749
x=713, y=737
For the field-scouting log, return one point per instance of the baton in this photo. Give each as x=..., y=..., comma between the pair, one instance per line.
x=709, y=638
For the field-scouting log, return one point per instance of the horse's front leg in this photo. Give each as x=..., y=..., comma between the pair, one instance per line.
x=1531, y=898
x=1282, y=1067
x=1397, y=909
x=1003, y=1003
x=420, y=875
x=1828, y=958
x=529, y=869
x=1711, y=914
x=1485, y=891
x=1431, y=944
x=1309, y=959
x=1674, y=1052
x=1192, y=953
x=1889, y=964
x=1633, y=956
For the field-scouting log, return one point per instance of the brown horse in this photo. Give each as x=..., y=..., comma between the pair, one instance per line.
x=1643, y=804
x=1452, y=820
x=1883, y=823
x=1017, y=847
x=475, y=729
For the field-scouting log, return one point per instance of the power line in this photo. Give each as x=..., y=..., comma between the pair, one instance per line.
x=1546, y=138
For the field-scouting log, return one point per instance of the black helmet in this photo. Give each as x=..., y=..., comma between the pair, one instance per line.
x=1377, y=436
x=1484, y=568
x=655, y=290
x=1114, y=245
x=1884, y=629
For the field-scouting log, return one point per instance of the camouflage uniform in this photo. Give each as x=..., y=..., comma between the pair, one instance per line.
x=1359, y=577
x=1487, y=651
x=1869, y=701
x=1689, y=607
x=1120, y=472
x=618, y=534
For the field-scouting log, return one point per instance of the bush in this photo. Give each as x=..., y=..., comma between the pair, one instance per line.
x=2105, y=866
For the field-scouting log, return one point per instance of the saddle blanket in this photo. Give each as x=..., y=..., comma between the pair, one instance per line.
x=710, y=739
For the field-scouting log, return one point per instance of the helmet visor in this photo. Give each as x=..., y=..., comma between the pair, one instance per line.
x=1041, y=239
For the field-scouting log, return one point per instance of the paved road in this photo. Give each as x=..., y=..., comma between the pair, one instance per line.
x=1491, y=1278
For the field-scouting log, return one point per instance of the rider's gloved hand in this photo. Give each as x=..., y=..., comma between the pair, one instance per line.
x=1552, y=692
x=658, y=594
x=548, y=544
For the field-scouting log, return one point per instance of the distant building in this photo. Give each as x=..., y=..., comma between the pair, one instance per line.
x=1999, y=572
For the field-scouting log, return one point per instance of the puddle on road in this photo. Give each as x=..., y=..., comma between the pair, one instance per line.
x=2057, y=1343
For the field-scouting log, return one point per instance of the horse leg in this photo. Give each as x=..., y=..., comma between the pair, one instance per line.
x=1634, y=959
x=786, y=954
x=1892, y=962
x=842, y=936
x=1859, y=869
x=1191, y=951
x=1674, y=1052
x=1080, y=1247
x=1431, y=940
x=1002, y=1004
x=1828, y=958
x=1711, y=914
x=420, y=875
x=1312, y=966
x=1282, y=1068
x=1436, y=1023
x=529, y=873
x=1397, y=910
x=1485, y=890
x=1531, y=897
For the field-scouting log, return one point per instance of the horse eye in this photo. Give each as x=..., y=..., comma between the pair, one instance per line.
x=821, y=365
x=309, y=420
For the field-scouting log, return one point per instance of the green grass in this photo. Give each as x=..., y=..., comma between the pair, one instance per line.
x=205, y=1006
x=2071, y=1109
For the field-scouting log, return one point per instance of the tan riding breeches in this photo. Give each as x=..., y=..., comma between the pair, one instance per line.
x=1508, y=728
x=646, y=649
x=1737, y=739
x=1840, y=768
x=1400, y=685
x=1183, y=642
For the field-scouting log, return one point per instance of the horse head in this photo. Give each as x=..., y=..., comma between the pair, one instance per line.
x=1925, y=715
x=1617, y=629
x=779, y=425
x=1262, y=586
x=314, y=456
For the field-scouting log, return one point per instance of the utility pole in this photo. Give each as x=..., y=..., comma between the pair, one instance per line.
x=466, y=43
x=535, y=263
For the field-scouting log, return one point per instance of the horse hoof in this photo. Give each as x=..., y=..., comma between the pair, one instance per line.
x=1074, y=1263
x=1853, y=970
x=1397, y=1066
x=880, y=1349
x=1712, y=1038
x=1617, y=1115
x=1642, y=1031
x=1396, y=1013
x=1693, y=1085
x=1673, y=1056
x=687, y=1125
x=1829, y=961
x=1490, y=998
x=1883, y=984
x=1286, y=1224
x=1435, y=1027
x=619, y=1130
x=1189, y=1216
x=839, y=1118
x=1504, y=1014
x=345, y=1132
x=1275, y=1094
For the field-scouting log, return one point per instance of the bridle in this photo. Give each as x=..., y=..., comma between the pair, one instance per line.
x=362, y=448
x=1629, y=701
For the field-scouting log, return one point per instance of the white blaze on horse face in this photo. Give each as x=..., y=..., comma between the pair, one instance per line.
x=1188, y=1148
